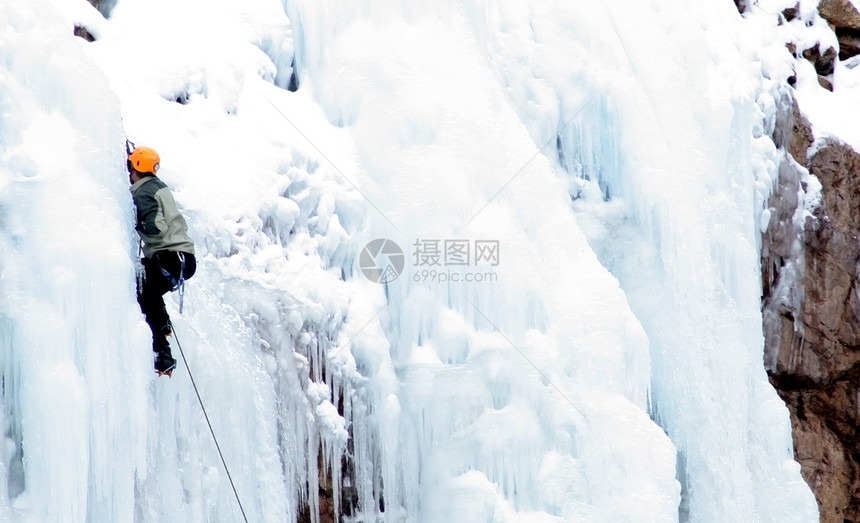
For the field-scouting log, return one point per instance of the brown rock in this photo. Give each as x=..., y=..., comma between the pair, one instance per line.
x=845, y=20
x=837, y=166
x=824, y=62
x=793, y=132
x=849, y=44
x=812, y=322
x=82, y=32
x=841, y=14
x=801, y=135
x=825, y=438
x=826, y=328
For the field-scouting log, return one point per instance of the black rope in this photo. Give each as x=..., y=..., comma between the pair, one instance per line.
x=217, y=446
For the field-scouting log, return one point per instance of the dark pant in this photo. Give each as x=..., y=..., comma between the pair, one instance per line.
x=154, y=285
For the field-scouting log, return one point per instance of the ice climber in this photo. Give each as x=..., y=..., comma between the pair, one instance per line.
x=168, y=253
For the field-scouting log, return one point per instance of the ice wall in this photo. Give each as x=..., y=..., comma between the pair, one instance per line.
x=74, y=392
x=656, y=116
x=604, y=366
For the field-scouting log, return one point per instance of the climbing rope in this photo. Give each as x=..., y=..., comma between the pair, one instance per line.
x=205, y=415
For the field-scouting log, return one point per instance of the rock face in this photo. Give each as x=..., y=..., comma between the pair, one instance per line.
x=845, y=19
x=811, y=266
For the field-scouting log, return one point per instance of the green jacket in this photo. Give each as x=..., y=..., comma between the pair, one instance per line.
x=159, y=223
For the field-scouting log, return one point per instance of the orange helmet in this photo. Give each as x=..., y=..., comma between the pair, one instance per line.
x=144, y=160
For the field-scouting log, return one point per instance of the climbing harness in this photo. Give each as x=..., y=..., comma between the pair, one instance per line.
x=178, y=284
